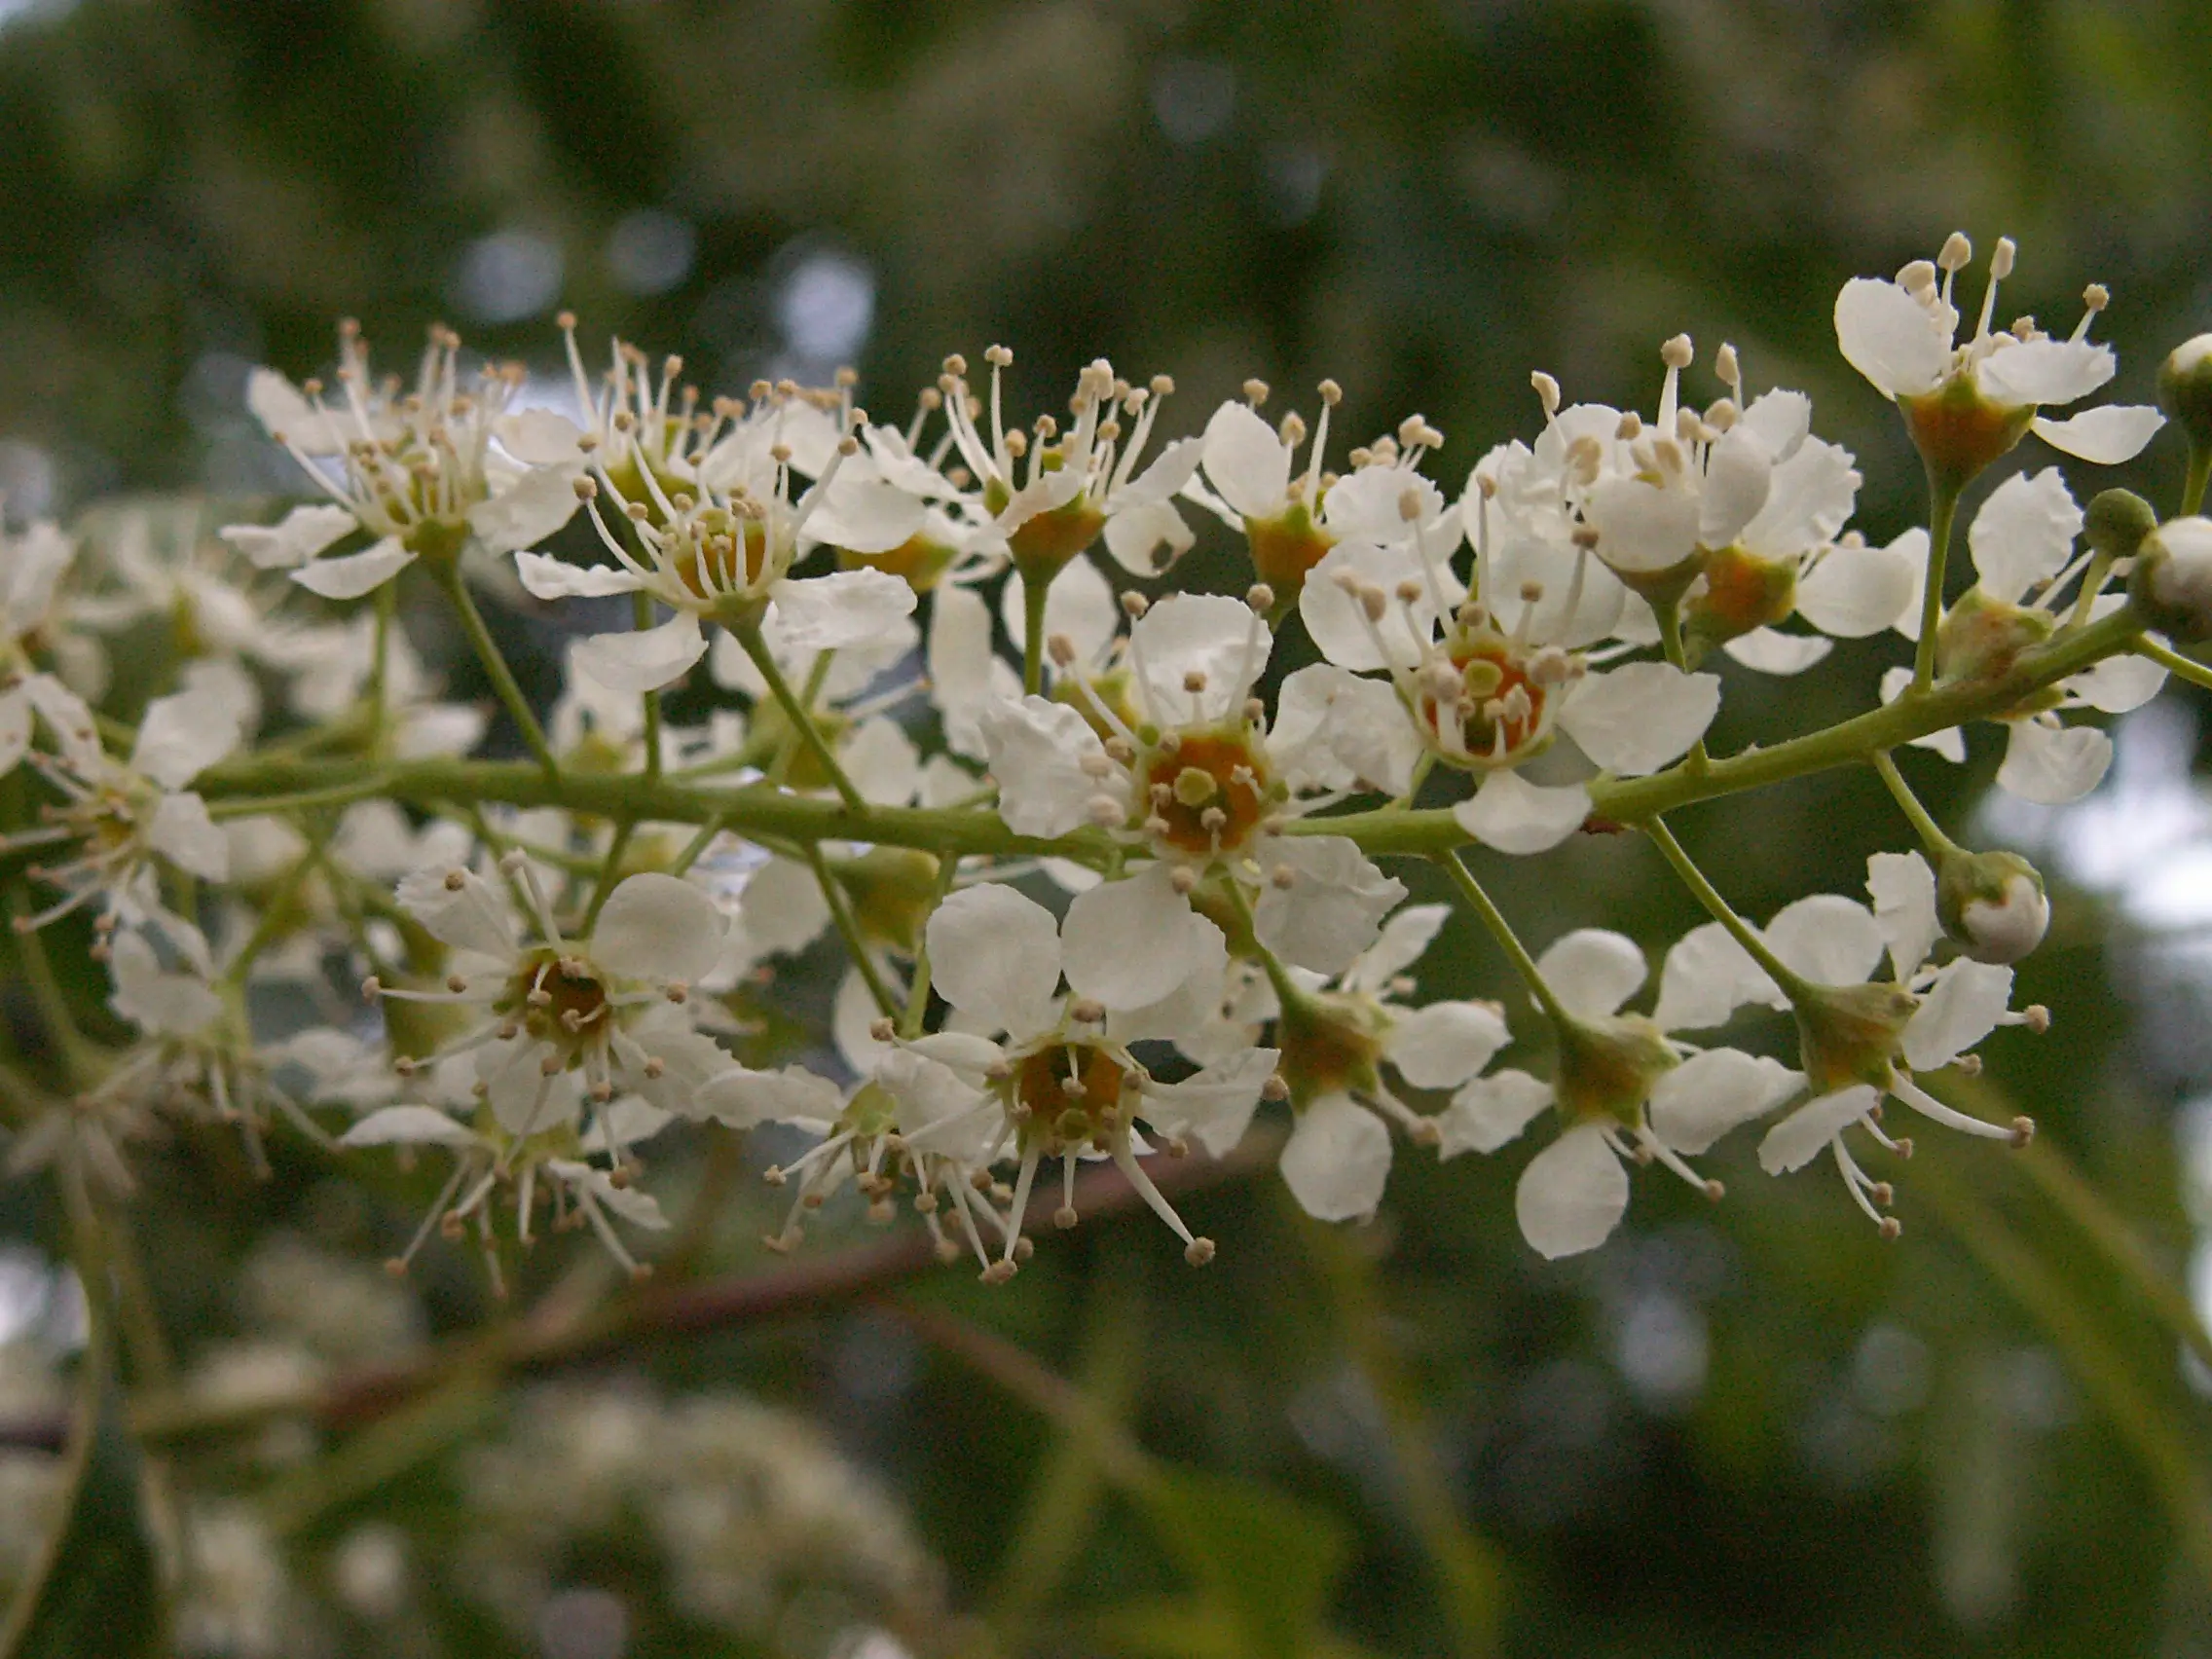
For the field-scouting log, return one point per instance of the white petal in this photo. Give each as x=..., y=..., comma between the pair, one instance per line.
x=1079, y=603
x=1829, y=938
x=1593, y=970
x=1856, y=591
x=286, y=414
x=1404, y=936
x=1215, y=1106
x=1335, y=730
x=299, y=535
x=1037, y=749
x=1515, y=816
x=1336, y=1159
x=154, y=999
x=1805, y=1134
x=1950, y=743
x=1810, y=499
x=1637, y=717
x=1245, y=461
x=2105, y=436
x=882, y=762
x=1336, y=624
x=1445, y=1044
x=1573, y=1195
x=555, y=578
x=638, y=1209
x=1709, y=1093
x=1739, y=473
x=782, y=909
x=1960, y=1010
x=844, y=609
x=864, y=515
x=2046, y=372
x=182, y=832
x=1641, y=526
x=1332, y=908
x=936, y=1099
x=1490, y=1112
x=1912, y=547
x=658, y=927
x=181, y=735
x=469, y=915
x=1782, y=421
x=1169, y=470
x=960, y=659
x=1904, y=888
x=538, y=437
x=1147, y=538
x=1707, y=978
x=1890, y=338
x=352, y=574
x=410, y=1126
x=2024, y=532
x=644, y=659
x=1208, y=635
x=996, y=955
x=1129, y=944
x=1769, y=650
x=527, y=511
x=742, y=1099
x=2053, y=766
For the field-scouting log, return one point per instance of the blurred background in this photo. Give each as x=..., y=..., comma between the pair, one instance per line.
x=1756, y=1430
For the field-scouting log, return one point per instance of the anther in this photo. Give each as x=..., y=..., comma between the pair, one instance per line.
x=1677, y=352
x=1256, y=392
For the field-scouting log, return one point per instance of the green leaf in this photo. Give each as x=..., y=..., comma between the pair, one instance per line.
x=1264, y=1565
x=96, y=1590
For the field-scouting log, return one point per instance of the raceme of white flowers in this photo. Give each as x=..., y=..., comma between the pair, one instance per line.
x=1117, y=866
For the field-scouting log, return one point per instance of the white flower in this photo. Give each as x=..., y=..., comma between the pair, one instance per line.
x=1060, y=1082
x=1080, y=486
x=1660, y=1102
x=426, y=473
x=1901, y=335
x=610, y=1010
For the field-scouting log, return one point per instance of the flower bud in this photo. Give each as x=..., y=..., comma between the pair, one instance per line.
x=2116, y=522
x=1992, y=904
x=2171, y=586
x=1982, y=637
x=1850, y=1034
x=2185, y=389
x=1606, y=1068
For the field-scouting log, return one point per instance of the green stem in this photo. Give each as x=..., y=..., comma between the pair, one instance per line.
x=1034, y=594
x=1744, y=935
x=642, y=618
x=2200, y=475
x=918, y=991
x=496, y=665
x=276, y=914
x=1943, y=508
x=1940, y=845
x=379, y=689
x=841, y=913
x=609, y=874
x=79, y=1059
x=755, y=647
x=1670, y=617
x=375, y=784
x=1508, y=940
x=696, y=846
x=2174, y=663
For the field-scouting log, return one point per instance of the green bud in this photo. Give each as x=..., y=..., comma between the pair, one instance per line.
x=1849, y=1034
x=1981, y=638
x=2116, y=523
x=2185, y=389
x=1606, y=1068
x=1992, y=904
x=2171, y=584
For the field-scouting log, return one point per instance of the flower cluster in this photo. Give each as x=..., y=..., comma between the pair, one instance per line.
x=1116, y=866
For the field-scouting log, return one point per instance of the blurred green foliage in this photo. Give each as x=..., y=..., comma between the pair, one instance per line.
x=1756, y=1430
